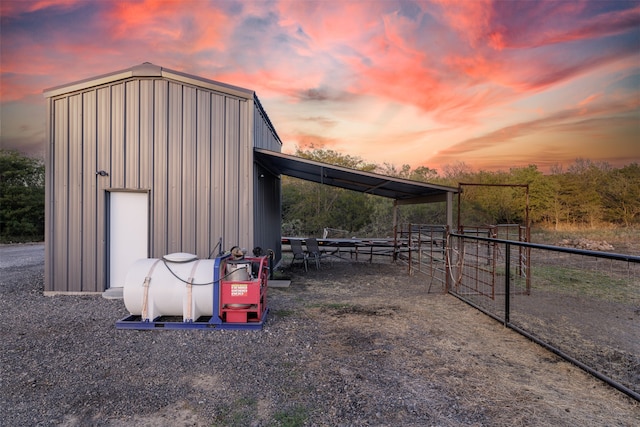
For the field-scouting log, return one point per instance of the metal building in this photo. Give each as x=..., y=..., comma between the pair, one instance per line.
x=148, y=161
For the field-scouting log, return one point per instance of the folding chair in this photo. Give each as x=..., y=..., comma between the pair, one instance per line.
x=313, y=251
x=298, y=253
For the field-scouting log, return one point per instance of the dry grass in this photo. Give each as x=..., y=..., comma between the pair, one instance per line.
x=624, y=240
x=434, y=358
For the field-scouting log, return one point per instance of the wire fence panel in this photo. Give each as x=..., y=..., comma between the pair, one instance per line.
x=582, y=305
x=423, y=248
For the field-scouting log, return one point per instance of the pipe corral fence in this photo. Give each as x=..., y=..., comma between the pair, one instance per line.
x=582, y=305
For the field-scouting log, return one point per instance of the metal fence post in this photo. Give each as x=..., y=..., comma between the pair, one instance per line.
x=507, y=283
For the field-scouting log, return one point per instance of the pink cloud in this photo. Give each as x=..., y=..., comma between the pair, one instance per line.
x=12, y=8
x=601, y=25
x=470, y=19
x=169, y=23
x=329, y=24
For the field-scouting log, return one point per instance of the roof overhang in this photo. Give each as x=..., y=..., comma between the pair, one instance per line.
x=403, y=190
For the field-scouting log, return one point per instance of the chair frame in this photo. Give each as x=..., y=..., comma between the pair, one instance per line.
x=299, y=253
x=313, y=250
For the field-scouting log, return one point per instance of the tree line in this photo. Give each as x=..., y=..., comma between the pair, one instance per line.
x=21, y=198
x=585, y=195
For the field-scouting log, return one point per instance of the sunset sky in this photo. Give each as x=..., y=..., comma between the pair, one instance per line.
x=493, y=84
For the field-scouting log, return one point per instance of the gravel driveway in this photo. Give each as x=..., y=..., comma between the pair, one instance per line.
x=351, y=344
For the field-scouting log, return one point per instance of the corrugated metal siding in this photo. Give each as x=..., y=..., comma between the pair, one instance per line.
x=203, y=170
x=131, y=131
x=232, y=174
x=160, y=188
x=174, y=200
x=264, y=136
x=60, y=193
x=146, y=121
x=245, y=166
x=103, y=163
x=117, y=164
x=266, y=197
x=218, y=172
x=75, y=225
x=192, y=148
x=267, y=206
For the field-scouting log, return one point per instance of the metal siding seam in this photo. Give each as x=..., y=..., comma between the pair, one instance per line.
x=203, y=173
x=146, y=132
x=174, y=163
x=211, y=235
x=49, y=284
x=161, y=168
x=232, y=206
x=60, y=165
x=188, y=182
x=242, y=180
x=75, y=193
x=117, y=137
x=103, y=163
x=218, y=120
x=146, y=150
x=101, y=222
x=246, y=157
x=89, y=191
x=229, y=170
x=256, y=194
x=132, y=134
x=229, y=210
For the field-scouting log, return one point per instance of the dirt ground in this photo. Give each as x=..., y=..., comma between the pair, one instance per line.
x=351, y=344
x=399, y=355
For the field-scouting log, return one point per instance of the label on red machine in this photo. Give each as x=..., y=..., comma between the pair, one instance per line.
x=239, y=290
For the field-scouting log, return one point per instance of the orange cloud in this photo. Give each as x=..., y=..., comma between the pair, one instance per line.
x=558, y=137
x=305, y=141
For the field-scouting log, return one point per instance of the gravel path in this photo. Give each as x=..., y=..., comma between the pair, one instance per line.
x=347, y=345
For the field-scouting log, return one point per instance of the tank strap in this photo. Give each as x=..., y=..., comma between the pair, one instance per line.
x=189, y=313
x=145, y=285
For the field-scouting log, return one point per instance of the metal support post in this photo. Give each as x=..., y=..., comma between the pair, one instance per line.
x=507, y=283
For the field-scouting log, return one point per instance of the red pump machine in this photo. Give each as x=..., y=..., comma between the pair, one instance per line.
x=243, y=290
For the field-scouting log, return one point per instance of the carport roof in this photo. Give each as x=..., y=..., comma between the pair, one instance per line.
x=403, y=190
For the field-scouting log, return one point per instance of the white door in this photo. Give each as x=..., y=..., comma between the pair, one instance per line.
x=128, y=233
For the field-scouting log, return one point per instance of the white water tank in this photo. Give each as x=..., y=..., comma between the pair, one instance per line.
x=179, y=284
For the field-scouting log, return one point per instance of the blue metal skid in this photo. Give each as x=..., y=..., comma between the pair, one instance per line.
x=204, y=322
x=136, y=322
